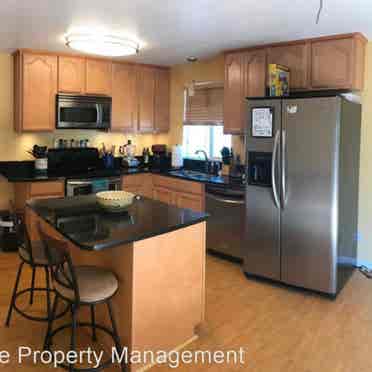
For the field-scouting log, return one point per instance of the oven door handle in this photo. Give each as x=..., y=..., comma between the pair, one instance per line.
x=225, y=200
x=78, y=183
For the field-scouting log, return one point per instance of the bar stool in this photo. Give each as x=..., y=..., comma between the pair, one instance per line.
x=33, y=255
x=80, y=286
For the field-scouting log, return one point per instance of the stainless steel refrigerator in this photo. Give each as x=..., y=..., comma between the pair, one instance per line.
x=302, y=190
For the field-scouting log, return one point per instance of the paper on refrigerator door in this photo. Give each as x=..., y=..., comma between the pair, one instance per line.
x=262, y=122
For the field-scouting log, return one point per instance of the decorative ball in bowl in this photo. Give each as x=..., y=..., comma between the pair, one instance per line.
x=114, y=201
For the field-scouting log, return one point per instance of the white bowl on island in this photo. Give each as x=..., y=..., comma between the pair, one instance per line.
x=115, y=201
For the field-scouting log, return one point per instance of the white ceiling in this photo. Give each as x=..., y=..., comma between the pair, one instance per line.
x=171, y=30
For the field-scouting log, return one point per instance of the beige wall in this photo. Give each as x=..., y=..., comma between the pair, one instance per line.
x=14, y=146
x=181, y=75
x=365, y=179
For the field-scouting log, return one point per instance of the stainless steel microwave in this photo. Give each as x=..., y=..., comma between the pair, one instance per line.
x=83, y=112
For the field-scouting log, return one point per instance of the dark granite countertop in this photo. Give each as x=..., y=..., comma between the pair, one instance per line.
x=23, y=171
x=82, y=221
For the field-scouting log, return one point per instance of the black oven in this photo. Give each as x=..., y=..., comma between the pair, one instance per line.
x=75, y=187
x=83, y=112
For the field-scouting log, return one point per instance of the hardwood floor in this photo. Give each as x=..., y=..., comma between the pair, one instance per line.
x=281, y=329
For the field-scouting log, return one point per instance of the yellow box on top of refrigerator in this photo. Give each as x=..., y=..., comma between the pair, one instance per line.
x=278, y=80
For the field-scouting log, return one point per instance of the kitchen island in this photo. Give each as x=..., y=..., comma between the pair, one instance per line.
x=157, y=252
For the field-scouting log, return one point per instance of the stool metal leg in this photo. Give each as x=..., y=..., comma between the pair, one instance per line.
x=14, y=295
x=51, y=318
x=48, y=291
x=116, y=334
x=73, y=332
x=32, y=286
x=93, y=320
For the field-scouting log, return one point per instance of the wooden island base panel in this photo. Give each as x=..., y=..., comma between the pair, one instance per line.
x=161, y=298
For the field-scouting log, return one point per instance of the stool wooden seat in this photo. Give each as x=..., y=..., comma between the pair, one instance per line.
x=95, y=285
x=80, y=286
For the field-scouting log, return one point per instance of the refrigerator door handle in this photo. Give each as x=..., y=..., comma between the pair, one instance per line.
x=273, y=168
x=284, y=169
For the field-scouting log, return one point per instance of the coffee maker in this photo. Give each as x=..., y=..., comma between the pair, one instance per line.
x=160, y=159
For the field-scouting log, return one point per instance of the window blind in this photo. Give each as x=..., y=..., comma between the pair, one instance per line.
x=204, y=107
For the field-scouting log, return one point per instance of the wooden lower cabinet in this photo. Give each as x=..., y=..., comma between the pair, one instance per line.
x=43, y=189
x=194, y=202
x=139, y=184
x=164, y=195
x=183, y=194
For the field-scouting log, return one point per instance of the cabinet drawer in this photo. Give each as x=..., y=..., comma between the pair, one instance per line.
x=140, y=184
x=134, y=180
x=163, y=194
x=45, y=189
x=191, y=201
x=178, y=185
x=137, y=190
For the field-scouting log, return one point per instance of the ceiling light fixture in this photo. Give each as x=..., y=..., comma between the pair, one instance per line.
x=192, y=59
x=104, y=45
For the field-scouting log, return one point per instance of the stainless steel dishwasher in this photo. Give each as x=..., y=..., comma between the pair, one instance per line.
x=225, y=227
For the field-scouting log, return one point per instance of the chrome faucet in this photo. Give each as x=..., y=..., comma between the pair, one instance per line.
x=197, y=152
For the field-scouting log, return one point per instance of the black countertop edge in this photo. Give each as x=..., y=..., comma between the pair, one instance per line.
x=117, y=242
x=217, y=180
x=29, y=175
x=14, y=177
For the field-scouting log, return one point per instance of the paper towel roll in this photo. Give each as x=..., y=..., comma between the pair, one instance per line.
x=177, y=157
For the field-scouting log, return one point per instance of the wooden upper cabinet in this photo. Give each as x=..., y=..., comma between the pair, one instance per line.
x=330, y=62
x=35, y=92
x=71, y=74
x=233, y=93
x=245, y=75
x=338, y=63
x=98, y=77
x=297, y=58
x=255, y=74
x=162, y=82
x=124, y=98
x=146, y=94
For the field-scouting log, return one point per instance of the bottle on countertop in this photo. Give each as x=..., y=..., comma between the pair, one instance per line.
x=148, y=155
x=130, y=149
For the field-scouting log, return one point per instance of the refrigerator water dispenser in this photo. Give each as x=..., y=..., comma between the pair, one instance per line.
x=259, y=170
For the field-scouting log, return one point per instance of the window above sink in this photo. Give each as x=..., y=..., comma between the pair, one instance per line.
x=209, y=138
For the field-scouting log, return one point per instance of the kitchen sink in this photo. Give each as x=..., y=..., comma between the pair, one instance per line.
x=191, y=174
